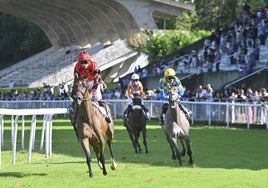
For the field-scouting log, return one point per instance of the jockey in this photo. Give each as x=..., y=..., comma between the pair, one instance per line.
x=87, y=68
x=170, y=79
x=134, y=88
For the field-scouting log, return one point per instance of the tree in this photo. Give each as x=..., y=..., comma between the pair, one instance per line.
x=19, y=39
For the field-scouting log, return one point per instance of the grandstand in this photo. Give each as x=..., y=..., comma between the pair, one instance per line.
x=115, y=61
x=55, y=66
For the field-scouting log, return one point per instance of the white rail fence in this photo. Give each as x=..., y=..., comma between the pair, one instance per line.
x=228, y=112
x=211, y=112
x=46, y=135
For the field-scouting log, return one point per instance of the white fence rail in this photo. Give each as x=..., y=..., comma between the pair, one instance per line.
x=46, y=129
x=229, y=113
x=243, y=113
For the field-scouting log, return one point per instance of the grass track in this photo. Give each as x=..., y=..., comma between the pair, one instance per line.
x=223, y=157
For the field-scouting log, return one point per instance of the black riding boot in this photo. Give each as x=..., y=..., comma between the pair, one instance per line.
x=107, y=117
x=146, y=111
x=127, y=111
x=163, y=112
x=186, y=111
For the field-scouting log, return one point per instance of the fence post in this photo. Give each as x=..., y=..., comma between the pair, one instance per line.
x=14, y=128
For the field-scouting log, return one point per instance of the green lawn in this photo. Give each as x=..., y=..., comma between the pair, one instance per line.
x=223, y=157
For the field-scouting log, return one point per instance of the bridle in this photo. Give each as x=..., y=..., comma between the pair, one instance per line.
x=173, y=96
x=81, y=87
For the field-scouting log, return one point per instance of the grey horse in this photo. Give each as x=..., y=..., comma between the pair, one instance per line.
x=176, y=126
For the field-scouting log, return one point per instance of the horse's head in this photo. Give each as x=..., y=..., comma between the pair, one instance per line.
x=173, y=96
x=80, y=90
x=137, y=102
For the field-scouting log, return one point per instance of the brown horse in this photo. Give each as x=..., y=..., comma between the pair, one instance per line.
x=177, y=126
x=92, y=128
x=137, y=125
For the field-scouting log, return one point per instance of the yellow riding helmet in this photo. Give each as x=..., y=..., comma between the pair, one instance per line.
x=169, y=72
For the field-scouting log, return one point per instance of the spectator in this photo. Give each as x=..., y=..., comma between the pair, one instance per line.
x=144, y=72
x=217, y=60
x=11, y=84
x=263, y=95
x=117, y=93
x=241, y=96
x=194, y=59
x=210, y=59
x=251, y=95
x=209, y=93
x=200, y=93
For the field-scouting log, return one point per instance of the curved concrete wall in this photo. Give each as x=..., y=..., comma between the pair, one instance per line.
x=87, y=22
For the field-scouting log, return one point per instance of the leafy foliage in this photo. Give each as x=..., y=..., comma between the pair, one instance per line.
x=19, y=39
x=213, y=14
x=168, y=42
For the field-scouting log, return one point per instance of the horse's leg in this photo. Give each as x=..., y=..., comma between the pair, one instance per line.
x=138, y=146
x=189, y=151
x=85, y=146
x=135, y=140
x=109, y=143
x=96, y=150
x=183, y=151
x=102, y=159
x=132, y=138
x=175, y=145
x=171, y=147
x=144, y=134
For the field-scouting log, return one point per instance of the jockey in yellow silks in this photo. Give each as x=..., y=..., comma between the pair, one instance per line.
x=170, y=79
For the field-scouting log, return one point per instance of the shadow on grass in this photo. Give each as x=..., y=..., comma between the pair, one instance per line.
x=20, y=174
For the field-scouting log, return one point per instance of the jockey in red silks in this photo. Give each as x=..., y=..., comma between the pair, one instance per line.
x=87, y=68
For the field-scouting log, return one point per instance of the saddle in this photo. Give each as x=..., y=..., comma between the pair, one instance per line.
x=102, y=110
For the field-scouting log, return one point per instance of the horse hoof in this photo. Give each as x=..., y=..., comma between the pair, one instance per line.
x=100, y=165
x=113, y=165
x=91, y=175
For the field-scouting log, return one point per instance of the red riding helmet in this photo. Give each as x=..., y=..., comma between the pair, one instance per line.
x=83, y=56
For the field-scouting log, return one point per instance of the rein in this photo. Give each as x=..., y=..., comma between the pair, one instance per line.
x=83, y=93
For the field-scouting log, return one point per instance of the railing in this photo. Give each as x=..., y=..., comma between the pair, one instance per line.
x=210, y=112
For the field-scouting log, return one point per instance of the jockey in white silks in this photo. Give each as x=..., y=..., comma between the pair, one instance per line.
x=134, y=88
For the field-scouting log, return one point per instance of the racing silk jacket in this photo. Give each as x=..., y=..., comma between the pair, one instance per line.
x=133, y=90
x=163, y=87
x=88, y=73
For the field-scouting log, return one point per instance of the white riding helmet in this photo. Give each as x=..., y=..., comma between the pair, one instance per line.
x=135, y=77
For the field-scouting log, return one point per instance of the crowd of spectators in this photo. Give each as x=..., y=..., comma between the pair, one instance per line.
x=237, y=45
x=202, y=93
x=44, y=93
